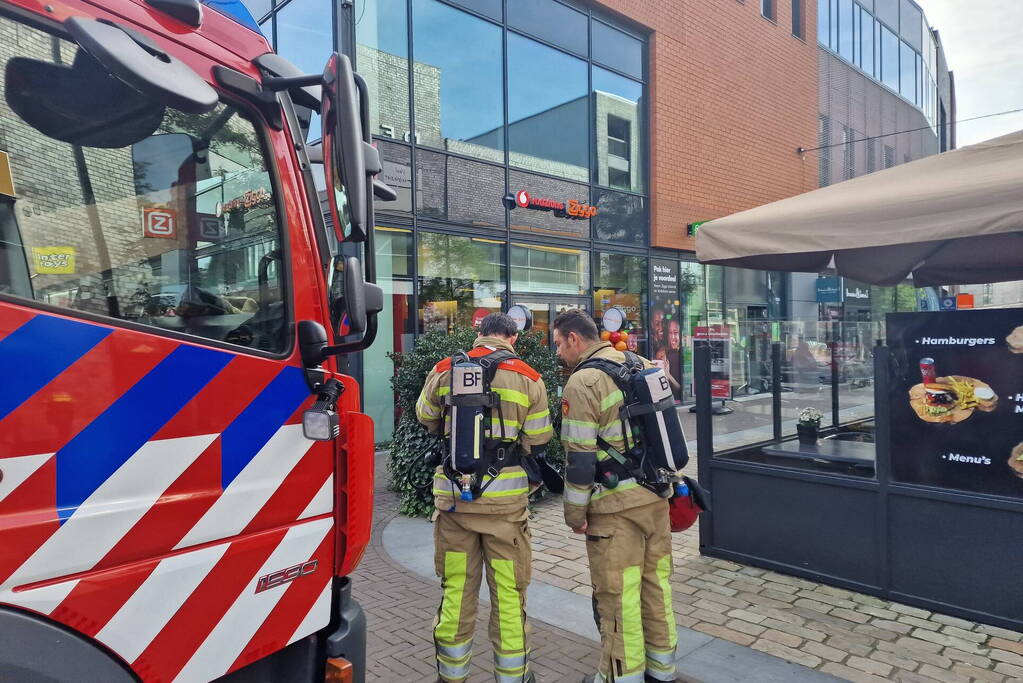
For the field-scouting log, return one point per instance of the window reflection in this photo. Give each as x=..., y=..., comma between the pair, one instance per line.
x=381, y=36
x=551, y=270
x=305, y=36
x=458, y=82
x=547, y=129
x=397, y=174
x=845, y=29
x=458, y=277
x=620, y=217
x=617, y=105
x=459, y=190
x=620, y=281
x=617, y=50
x=551, y=21
x=907, y=69
x=889, y=59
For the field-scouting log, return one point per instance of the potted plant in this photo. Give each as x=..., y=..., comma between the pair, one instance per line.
x=808, y=427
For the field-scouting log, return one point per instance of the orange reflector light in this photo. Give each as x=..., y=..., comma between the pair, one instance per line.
x=338, y=671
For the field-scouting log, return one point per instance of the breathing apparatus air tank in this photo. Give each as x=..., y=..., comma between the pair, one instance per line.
x=467, y=428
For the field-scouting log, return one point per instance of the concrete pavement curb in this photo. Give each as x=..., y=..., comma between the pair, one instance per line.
x=409, y=542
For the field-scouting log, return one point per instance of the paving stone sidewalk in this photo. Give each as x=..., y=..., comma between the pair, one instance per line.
x=848, y=635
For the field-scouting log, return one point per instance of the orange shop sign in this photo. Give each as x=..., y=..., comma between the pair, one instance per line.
x=571, y=209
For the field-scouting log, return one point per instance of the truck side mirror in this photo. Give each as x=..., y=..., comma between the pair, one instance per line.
x=344, y=160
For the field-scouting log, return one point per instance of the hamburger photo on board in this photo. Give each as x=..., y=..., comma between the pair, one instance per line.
x=950, y=399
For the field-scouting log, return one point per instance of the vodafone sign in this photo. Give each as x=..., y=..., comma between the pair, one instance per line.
x=571, y=209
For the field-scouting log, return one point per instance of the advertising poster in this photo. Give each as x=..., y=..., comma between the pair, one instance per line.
x=957, y=399
x=666, y=316
x=719, y=337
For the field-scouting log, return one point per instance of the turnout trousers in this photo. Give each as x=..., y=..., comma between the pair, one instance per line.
x=630, y=564
x=467, y=545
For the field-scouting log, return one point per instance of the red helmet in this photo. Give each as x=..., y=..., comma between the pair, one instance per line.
x=682, y=511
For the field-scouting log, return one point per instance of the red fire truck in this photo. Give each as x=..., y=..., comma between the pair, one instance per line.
x=185, y=477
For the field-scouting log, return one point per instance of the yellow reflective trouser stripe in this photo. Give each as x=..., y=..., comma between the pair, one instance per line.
x=575, y=496
x=508, y=662
x=512, y=396
x=580, y=432
x=632, y=619
x=623, y=485
x=611, y=399
x=660, y=665
x=663, y=574
x=455, y=652
x=509, y=606
x=451, y=603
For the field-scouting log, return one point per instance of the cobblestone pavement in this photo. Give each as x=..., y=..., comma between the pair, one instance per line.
x=848, y=635
x=400, y=606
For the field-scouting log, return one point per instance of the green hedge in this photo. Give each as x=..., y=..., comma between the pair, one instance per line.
x=410, y=477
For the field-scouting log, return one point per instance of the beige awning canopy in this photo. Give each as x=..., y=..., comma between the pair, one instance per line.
x=952, y=218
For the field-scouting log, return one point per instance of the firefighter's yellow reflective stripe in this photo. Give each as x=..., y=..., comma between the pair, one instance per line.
x=663, y=574
x=575, y=496
x=453, y=672
x=451, y=602
x=443, y=391
x=510, y=675
x=511, y=428
x=632, y=619
x=537, y=423
x=579, y=431
x=512, y=396
x=509, y=606
x=510, y=661
x=426, y=410
x=660, y=666
x=452, y=652
x=636, y=677
x=511, y=483
x=611, y=432
x=623, y=485
x=614, y=397
x=602, y=456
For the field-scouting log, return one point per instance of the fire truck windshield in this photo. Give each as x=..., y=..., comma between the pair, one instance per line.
x=150, y=214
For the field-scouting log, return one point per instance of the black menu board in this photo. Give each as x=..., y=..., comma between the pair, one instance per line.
x=956, y=400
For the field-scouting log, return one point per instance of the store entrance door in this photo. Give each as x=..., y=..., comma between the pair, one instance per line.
x=546, y=308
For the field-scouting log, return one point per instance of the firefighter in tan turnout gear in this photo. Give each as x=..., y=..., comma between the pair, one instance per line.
x=628, y=535
x=481, y=522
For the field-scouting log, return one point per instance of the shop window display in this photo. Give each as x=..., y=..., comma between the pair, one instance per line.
x=460, y=278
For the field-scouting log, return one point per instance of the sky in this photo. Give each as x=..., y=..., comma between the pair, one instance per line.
x=983, y=42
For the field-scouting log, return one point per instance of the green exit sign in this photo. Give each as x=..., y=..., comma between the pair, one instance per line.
x=693, y=227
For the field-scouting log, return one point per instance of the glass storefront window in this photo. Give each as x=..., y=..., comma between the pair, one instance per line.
x=305, y=36
x=395, y=325
x=620, y=217
x=619, y=280
x=551, y=21
x=381, y=36
x=544, y=193
x=459, y=277
x=911, y=24
x=459, y=190
x=617, y=50
x=693, y=288
x=459, y=97
x=551, y=270
x=619, y=131
x=547, y=129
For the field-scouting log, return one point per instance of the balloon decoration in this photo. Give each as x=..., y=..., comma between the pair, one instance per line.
x=605, y=336
x=621, y=346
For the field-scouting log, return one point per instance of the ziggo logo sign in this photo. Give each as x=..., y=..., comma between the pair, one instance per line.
x=571, y=209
